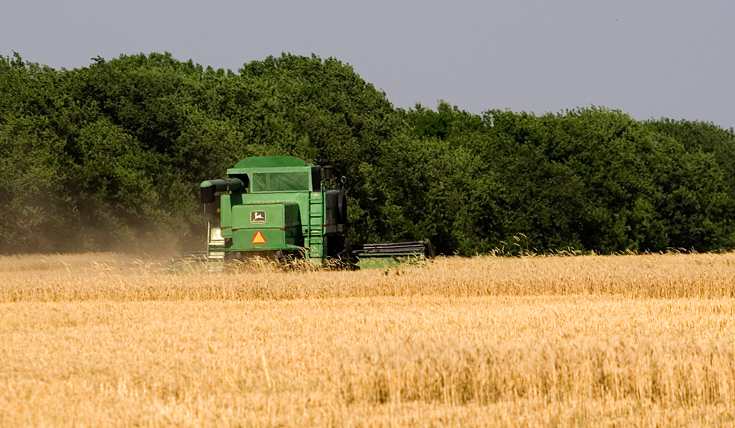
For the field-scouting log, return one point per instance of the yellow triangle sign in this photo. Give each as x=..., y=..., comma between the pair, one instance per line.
x=258, y=238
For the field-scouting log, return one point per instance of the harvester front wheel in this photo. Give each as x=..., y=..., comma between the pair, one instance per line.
x=340, y=252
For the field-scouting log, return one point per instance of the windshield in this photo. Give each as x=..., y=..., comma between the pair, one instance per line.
x=280, y=181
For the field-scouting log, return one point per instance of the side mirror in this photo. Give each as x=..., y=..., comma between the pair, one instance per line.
x=327, y=172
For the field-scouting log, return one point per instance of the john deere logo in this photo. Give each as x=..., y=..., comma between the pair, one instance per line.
x=257, y=216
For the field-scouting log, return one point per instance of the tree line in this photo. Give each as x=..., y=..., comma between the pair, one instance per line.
x=112, y=154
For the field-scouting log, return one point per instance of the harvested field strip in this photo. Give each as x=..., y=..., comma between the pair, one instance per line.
x=650, y=276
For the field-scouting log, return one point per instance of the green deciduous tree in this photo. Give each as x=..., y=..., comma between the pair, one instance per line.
x=112, y=154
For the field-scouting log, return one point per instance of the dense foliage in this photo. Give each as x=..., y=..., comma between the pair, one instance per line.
x=112, y=154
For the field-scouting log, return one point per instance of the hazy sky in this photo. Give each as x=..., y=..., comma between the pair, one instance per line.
x=649, y=58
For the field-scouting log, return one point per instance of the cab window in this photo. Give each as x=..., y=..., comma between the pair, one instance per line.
x=280, y=181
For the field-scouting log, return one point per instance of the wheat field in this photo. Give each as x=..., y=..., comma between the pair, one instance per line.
x=111, y=340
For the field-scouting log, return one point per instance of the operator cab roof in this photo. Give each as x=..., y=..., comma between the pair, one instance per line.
x=271, y=162
x=277, y=174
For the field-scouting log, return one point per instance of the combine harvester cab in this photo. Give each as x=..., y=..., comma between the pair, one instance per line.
x=280, y=206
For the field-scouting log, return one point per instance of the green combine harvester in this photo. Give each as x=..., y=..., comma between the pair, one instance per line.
x=281, y=207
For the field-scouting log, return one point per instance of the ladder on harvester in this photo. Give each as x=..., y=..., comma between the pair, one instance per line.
x=315, y=235
x=215, y=248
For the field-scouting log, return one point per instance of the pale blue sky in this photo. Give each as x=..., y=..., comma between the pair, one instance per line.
x=654, y=58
